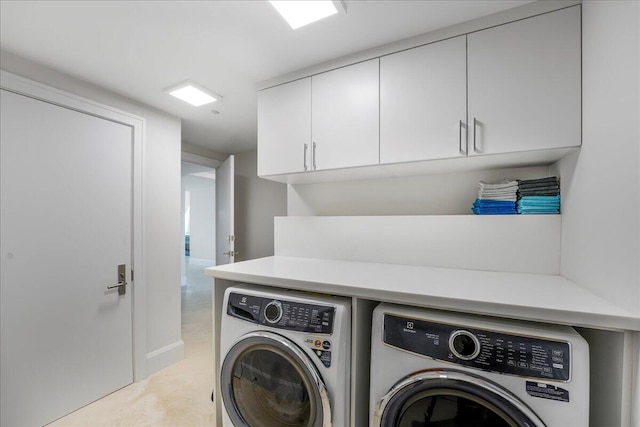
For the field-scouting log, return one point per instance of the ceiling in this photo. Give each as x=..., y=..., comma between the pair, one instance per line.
x=138, y=48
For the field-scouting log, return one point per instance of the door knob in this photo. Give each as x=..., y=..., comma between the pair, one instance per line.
x=122, y=280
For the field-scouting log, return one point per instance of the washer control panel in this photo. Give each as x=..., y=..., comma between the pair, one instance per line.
x=282, y=314
x=478, y=348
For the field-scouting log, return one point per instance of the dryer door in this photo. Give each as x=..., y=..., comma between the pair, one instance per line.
x=267, y=380
x=438, y=398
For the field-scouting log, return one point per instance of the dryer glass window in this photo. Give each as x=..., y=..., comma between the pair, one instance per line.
x=449, y=410
x=269, y=388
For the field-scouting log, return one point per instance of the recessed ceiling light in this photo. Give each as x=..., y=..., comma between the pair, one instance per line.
x=193, y=93
x=300, y=13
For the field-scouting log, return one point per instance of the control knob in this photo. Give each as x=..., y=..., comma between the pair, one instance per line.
x=273, y=312
x=464, y=345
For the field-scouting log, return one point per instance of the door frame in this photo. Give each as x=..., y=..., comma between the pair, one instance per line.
x=22, y=86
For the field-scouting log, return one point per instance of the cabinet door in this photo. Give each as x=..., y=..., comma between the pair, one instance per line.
x=525, y=84
x=345, y=116
x=423, y=102
x=284, y=128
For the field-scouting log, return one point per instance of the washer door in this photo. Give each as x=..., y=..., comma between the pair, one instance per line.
x=439, y=398
x=267, y=381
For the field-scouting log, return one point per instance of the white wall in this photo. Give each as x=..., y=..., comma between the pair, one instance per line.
x=446, y=194
x=203, y=216
x=471, y=242
x=258, y=201
x=601, y=183
x=161, y=193
x=202, y=151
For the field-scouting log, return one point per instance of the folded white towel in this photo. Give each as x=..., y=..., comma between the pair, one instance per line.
x=505, y=183
x=511, y=198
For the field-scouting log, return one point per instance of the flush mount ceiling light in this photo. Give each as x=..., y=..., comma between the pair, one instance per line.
x=300, y=13
x=193, y=93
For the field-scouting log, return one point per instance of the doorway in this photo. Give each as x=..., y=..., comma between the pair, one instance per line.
x=198, y=215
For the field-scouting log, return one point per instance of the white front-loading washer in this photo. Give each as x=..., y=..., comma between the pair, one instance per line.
x=431, y=368
x=285, y=358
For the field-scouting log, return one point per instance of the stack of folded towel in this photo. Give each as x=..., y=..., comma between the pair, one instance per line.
x=539, y=196
x=496, y=199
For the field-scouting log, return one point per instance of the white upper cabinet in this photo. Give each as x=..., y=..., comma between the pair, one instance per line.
x=525, y=84
x=345, y=116
x=505, y=96
x=284, y=128
x=423, y=102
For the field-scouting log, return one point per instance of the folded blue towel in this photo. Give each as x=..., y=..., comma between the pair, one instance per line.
x=479, y=211
x=539, y=199
x=493, y=207
x=538, y=205
x=491, y=202
x=538, y=211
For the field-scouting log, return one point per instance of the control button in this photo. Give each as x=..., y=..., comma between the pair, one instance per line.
x=511, y=362
x=326, y=345
x=523, y=365
x=558, y=366
x=273, y=312
x=557, y=359
x=317, y=343
x=557, y=353
x=464, y=345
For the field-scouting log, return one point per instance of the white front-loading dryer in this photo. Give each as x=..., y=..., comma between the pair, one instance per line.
x=285, y=358
x=431, y=368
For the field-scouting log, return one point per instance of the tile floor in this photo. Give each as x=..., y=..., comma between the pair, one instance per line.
x=179, y=395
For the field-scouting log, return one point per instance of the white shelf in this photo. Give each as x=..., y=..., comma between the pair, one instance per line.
x=533, y=297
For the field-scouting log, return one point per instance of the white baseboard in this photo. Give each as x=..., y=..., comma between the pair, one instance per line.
x=165, y=356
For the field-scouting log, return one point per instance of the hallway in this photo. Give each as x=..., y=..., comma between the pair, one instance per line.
x=179, y=395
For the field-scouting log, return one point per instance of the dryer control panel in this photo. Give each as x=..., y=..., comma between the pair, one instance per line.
x=482, y=349
x=282, y=313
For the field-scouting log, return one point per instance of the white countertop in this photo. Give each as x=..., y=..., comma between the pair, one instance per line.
x=546, y=298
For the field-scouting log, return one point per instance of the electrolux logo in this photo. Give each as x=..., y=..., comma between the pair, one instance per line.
x=409, y=328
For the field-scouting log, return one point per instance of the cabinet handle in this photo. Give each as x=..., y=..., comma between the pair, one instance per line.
x=475, y=124
x=313, y=156
x=462, y=152
x=306, y=146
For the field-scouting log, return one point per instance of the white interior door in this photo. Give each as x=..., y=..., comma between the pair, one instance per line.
x=66, y=224
x=225, y=234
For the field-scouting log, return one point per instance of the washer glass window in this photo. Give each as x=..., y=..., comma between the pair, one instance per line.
x=440, y=408
x=441, y=398
x=265, y=384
